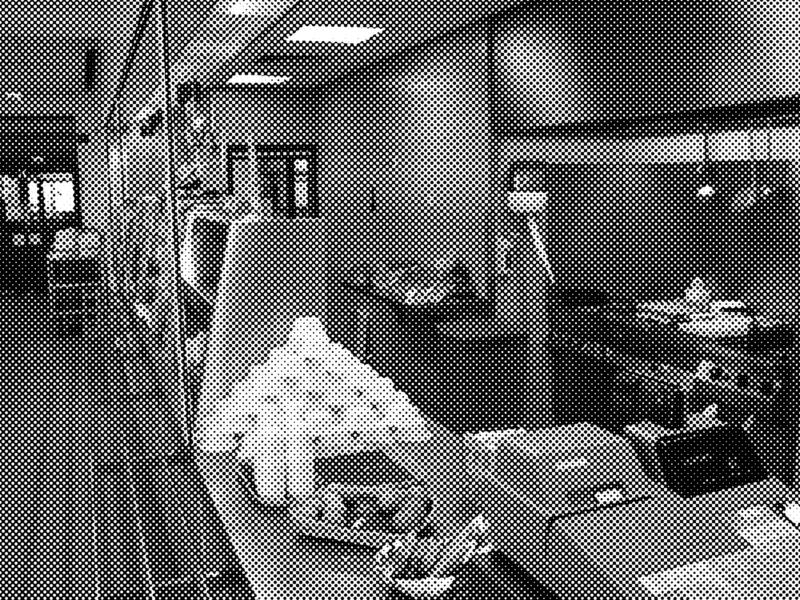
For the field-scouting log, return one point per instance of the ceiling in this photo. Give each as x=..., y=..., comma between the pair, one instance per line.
x=45, y=43
x=406, y=23
x=225, y=44
x=43, y=54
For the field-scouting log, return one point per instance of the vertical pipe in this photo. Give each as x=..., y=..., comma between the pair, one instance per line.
x=495, y=179
x=178, y=315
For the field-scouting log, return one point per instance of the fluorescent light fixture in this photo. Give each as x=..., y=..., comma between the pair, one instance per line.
x=333, y=34
x=258, y=79
x=253, y=7
x=242, y=7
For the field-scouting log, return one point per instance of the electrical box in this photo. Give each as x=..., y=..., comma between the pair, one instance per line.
x=693, y=462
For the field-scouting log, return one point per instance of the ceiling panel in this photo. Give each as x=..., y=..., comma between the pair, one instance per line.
x=221, y=37
x=405, y=23
x=224, y=44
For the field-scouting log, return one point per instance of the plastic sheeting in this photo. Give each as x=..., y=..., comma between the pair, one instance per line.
x=274, y=272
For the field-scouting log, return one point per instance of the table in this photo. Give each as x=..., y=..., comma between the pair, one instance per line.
x=281, y=564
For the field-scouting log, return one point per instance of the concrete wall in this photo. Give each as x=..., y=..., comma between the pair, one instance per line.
x=241, y=113
x=413, y=132
x=408, y=137
x=558, y=64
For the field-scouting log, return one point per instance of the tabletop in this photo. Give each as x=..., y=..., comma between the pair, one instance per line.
x=281, y=563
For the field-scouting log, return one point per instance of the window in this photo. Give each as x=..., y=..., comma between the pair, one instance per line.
x=284, y=179
x=33, y=196
x=55, y=192
x=58, y=192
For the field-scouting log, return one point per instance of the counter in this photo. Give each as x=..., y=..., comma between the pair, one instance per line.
x=281, y=564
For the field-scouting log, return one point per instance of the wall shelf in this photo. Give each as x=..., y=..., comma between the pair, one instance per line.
x=777, y=113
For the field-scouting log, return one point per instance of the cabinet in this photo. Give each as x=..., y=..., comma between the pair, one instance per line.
x=481, y=378
x=75, y=292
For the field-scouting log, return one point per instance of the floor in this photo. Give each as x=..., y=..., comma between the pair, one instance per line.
x=101, y=500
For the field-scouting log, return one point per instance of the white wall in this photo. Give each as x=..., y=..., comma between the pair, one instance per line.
x=413, y=131
x=416, y=132
x=242, y=114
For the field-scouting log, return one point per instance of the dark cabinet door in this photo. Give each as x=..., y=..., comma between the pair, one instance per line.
x=482, y=384
x=24, y=266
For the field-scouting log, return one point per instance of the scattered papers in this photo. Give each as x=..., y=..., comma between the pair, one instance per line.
x=696, y=580
x=760, y=526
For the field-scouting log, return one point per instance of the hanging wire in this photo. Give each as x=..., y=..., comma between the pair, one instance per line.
x=751, y=149
x=766, y=190
x=707, y=189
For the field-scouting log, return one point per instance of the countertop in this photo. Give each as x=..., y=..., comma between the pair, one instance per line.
x=281, y=564
x=449, y=309
x=617, y=545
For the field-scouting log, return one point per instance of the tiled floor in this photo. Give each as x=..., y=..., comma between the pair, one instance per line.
x=100, y=500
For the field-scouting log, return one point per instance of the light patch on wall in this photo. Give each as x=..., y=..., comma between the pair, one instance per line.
x=541, y=68
x=246, y=79
x=730, y=145
x=254, y=7
x=757, y=56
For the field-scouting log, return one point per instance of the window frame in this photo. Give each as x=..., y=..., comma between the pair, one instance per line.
x=289, y=153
